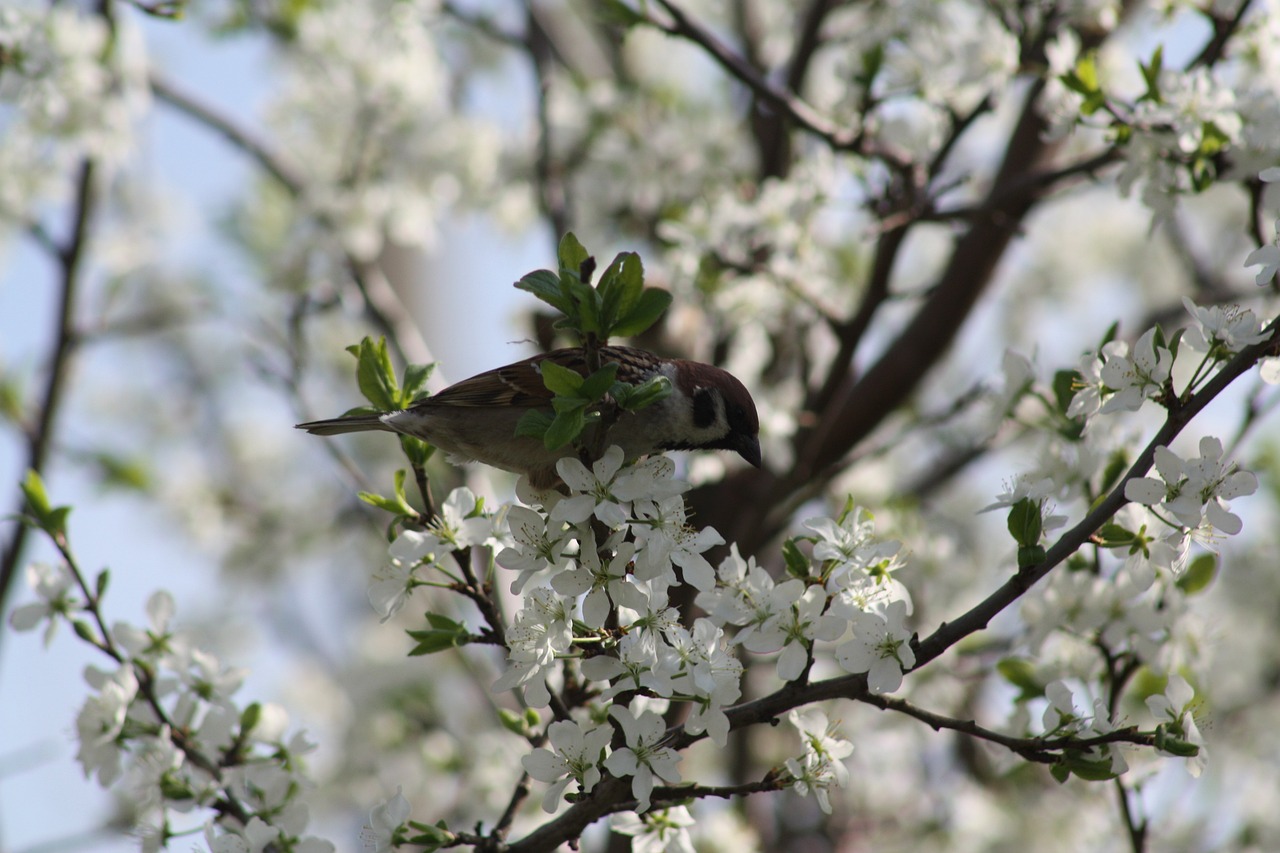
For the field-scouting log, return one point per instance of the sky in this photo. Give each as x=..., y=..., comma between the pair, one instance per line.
x=45, y=801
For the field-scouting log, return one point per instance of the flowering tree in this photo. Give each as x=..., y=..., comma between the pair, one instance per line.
x=901, y=224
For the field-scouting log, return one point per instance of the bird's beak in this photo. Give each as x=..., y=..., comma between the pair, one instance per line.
x=748, y=447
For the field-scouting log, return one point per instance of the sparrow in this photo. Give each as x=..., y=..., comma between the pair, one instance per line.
x=475, y=420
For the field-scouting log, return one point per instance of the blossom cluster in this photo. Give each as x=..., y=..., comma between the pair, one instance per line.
x=163, y=723
x=71, y=87
x=1130, y=600
x=596, y=568
x=381, y=147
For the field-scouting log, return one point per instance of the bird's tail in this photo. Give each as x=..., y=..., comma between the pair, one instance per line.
x=337, y=426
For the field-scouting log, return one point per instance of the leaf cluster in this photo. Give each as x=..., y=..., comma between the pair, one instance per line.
x=618, y=306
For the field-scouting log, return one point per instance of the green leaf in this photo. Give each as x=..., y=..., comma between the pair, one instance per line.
x=1083, y=79
x=1109, y=335
x=1025, y=523
x=398, y=479
x=37, y=498
x=1213, y=140
x=1030, y=555
x=633, y=398
x=374, y=374
x=559, y=380
x=847, y=510
x=1151, y=76
x=121, y=472
x=534, y=424
x=84, y=631
x=796, y=561
x=417, y=451
x=587, y=301
x=566, y=427
x=545, y=285
x=396, y=506
x=1158, y=341
x=249, y=717
x=1021, y=673
x=1112, y=535
x=1089, y=769
x=51, y=519
x=1065, y=383
x=598, y=384
x=1146, y=683
x=569, y=404
x=571, y=253
x=101, y=584
x=11, y=399
x=620, y=288
x=872, y=63
x=377, y=500
x=1199, y=574
x=432, y=837
x=414, y=385
x=1117, y=464
x=1170, y=742
x=445, y=633
x=618, y=14
x=645, y=313
x=362, y=410
x=513, y=722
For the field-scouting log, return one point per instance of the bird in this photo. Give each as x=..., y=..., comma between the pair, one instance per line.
x=475, y=419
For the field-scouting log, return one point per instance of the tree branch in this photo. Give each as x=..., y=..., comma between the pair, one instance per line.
x=977, y=618
x=66, y=342
x=383, y=304
x=791, y=105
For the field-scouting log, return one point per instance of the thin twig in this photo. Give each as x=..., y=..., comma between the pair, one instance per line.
x=66, y=341
x=382, y=303
x=792, y=105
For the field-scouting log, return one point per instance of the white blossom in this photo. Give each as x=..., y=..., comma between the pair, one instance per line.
x=1134, y=379
x=1175, y=708
x=1195, y=490
x=384, y=819
x=1268, y=258
x=606, y=584
x=666, y=538
x=644, y=758
x=795, y=628
x=1224, y=330
x=157, y=641
x=542, y=630
x=390, y=585
x=822, y=764
x=880, y=647
x=53, y=585
x=100, y=723
x=665, y=831
x=575, y=756
x=462, y=522
x=540, y=545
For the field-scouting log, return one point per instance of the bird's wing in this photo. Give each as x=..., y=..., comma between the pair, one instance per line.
x=520, y=385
